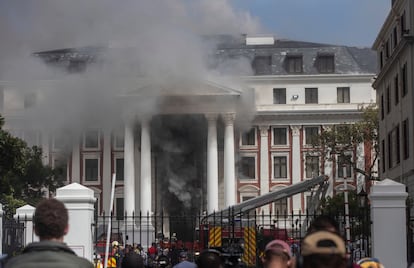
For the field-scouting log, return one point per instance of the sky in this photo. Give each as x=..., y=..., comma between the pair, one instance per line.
x=342, y=22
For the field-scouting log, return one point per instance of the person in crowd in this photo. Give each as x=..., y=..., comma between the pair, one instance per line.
x=132, y=260
x=324, y=222
x=184, y=263
x=174, y=254
x=50, y=225
x=323, y=249
x=370, y=262
x=210, y=259
x=117, y=253
x=327, y=223
x=277, y=254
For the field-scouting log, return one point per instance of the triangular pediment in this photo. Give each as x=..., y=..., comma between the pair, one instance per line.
x=187, y=88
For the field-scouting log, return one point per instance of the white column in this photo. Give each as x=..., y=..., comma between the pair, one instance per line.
x=76, y=161
x=389, y=228
x=129, y=169
x=212, y=164
x=296, y=165
x=264, y=164
x=146, y=195
x=229, y=164
x=106, y=176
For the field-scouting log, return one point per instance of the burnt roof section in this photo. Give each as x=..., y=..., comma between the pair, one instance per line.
x=347, y=60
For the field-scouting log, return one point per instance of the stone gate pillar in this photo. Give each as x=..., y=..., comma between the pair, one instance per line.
x=79, y=200
x=25, y=214
x=388, y=230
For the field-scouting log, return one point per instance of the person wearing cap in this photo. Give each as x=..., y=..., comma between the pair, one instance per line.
x=323, y=249
x=117, y=253
x=184, y=263
x=277, y=254
x=370, y=262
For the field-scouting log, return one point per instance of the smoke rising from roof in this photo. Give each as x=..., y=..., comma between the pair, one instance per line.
x=156, y=39
x=139, y=46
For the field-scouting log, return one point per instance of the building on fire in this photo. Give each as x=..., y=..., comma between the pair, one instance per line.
x=211, y=144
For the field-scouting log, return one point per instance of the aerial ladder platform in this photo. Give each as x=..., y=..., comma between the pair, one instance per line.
x=288, y=191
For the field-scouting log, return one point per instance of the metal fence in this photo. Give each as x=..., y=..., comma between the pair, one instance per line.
x=236, y=236
x=13, y=236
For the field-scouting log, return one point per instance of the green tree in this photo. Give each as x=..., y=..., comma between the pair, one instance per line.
x=23, y=177
x=341, y=141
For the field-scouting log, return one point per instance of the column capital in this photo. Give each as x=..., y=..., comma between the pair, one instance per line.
x=264, y=131
x=211, y=117
x=228, y=118
x=295, y=130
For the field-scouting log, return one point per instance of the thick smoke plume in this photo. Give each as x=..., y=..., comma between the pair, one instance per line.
x=143, y=47
x=157, y=39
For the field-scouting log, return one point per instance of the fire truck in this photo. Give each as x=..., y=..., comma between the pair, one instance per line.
x=235, y=231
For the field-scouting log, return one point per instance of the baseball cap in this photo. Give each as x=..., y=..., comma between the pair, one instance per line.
x=278, y=246
x=115, y=243
x=370, y=262
x=323, y=242
x=183, y=254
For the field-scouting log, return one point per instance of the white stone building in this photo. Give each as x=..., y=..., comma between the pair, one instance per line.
x=208, y=145
x=394, y=83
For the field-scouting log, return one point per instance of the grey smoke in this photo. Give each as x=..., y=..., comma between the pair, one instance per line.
x=146, y=47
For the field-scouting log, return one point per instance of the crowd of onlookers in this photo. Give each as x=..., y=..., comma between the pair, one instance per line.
x=322, y=247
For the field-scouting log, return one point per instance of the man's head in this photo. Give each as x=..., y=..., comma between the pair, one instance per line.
x=132, y=260
x=277, y=254
x=323, y=249
x=183, y=256
x=51, y=219
x=210, y=259
x=324, y=223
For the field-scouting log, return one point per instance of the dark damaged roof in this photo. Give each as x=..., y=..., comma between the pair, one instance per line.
x=347, y=60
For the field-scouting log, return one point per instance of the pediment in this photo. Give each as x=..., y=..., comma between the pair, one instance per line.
x=181, y=88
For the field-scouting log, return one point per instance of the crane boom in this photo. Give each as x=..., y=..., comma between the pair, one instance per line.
x=268, y=198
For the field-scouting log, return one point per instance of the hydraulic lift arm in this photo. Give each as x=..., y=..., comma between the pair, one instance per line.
x=300, y=187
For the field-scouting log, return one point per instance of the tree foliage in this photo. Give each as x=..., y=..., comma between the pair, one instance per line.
x=338, y=141
x=23, y=177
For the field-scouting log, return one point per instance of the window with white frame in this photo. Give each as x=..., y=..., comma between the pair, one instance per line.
x=343, y=94
x=279, y=136
x=91, y=139
x=312, y=166
x=311, y=134
x=311, y=95
x=119, y=208
x=91, y=169
x=118, y=139
x=281, y=207
x=280, y=167
x=279, y=96
x=119, y=168
x=246, y=197
x=247, y=168
x=30, y=99
x=59, y=141
x=344, y=166
x=60, y=166
x=249, y=137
